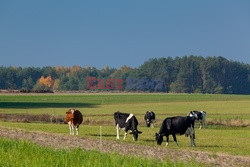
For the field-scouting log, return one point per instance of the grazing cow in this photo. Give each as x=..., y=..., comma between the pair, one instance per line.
x=200, y=116
x=128, y=122
x=149, y=118
x=74, y=119
x=176, y=125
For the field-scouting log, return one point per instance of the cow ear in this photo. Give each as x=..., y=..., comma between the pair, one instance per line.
x=139, y=131
x=156, y=134
x=130, y=132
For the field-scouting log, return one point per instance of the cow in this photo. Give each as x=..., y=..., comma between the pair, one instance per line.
x=74, y=118
x=176, y=125
x=200, y=116
x=149, y=118
x=127, y=122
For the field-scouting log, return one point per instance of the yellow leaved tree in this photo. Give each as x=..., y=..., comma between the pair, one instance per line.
x=44, y=83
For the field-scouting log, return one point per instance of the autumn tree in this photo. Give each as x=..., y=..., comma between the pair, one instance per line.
x=44, y=83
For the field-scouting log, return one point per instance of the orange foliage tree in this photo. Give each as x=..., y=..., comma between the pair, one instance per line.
x=46, y=81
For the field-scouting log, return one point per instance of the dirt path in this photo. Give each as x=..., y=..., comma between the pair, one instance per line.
x=68, y=142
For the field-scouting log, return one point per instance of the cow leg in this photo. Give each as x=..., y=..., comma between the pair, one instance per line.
x=175, y=139
x=71, y=128
x=125, y=135
x=126, y=129
x=117, y=131
x=152, y=124
x=201, y=124
x=192, y=136
x=77, y=129
x=167, y=140
x=193, y=142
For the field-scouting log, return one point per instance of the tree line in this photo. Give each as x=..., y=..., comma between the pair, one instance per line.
x=187, y=74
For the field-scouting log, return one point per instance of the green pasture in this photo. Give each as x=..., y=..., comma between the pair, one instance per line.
x=213, y=139
x=25, y=154
x=98, y=110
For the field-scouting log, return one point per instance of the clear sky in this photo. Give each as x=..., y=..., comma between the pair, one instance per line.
x=121, y=32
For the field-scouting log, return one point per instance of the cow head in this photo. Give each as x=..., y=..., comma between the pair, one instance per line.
x=158, y=138
x=203, y=114
x=135, y=134
x=69, y=115
x=194, y=115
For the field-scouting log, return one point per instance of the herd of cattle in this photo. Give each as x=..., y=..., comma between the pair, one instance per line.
x=170, y=126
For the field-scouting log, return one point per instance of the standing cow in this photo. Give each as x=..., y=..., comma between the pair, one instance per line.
x=128, y=122
x=176, y=125
x=149, y=118
x=74, y=119
x=200, y=116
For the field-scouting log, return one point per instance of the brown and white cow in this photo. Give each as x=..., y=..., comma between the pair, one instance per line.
x=74, y=119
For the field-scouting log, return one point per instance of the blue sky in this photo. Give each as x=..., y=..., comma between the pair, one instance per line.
x=121, y=32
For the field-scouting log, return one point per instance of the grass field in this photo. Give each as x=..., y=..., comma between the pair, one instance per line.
x=228, y=116
x=22, y=151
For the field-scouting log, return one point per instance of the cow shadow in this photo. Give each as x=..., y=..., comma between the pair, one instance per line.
x=26, y=105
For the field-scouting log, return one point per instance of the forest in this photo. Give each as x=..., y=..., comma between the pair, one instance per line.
x=187, y=74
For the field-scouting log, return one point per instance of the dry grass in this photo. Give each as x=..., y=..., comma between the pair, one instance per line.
x=47, y=118
x=231, y=122
x=28, y=118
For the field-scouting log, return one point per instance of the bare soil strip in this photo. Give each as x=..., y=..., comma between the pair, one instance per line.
x=60, y=141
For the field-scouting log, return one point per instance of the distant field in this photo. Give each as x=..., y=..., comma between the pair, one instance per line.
x=218, y=107
x=228, y=116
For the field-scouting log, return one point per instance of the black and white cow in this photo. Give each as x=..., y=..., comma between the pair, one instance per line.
x=200, y=116
x=176, y=125
x=128, y=122
x=149, y=118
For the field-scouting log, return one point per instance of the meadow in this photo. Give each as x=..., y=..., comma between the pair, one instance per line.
x=22, y=151
x=228, y=117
